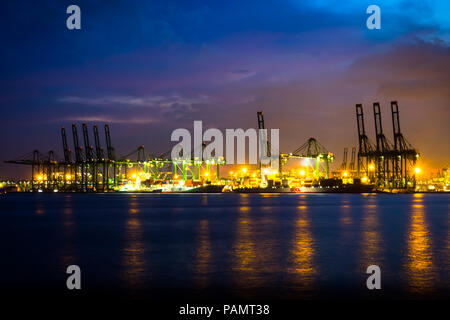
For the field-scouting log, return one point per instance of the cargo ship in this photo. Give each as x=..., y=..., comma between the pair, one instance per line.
x=322, y=186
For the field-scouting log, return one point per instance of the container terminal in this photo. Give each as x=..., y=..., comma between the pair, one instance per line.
x=379, y=166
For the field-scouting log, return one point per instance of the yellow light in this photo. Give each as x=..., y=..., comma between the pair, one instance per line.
x=253, y=175
x=302, y=172
x=371, y=167
x=231, y=172
x=266, y=171
x=364, y=179
x=39, y=178
x=176, y=176
x=206, y=174
x=345, y=173
x=134, y=175
x=68, y=177
x=417, y=170
x=244, y=170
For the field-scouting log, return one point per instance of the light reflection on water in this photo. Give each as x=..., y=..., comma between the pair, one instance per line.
x=371, y=244
x=244, y=251
x=345, y=216
x=255, y=256
x=419, y=260
x=135, y=267
x=68, y=248
x=446, y=253
x=345, y=223
x=301, y=264
x=203, y=266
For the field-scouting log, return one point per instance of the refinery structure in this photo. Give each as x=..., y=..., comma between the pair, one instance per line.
x=379, y=166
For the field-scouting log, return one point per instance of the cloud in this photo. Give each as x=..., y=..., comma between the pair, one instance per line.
x=157, y=101
x=110, y=119
x=240, y=74
x=410, y=71
x=139, y=109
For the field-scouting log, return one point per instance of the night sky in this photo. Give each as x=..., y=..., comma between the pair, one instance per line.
x=149, y=67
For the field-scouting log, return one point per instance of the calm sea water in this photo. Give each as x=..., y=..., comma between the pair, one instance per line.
x=286, y=246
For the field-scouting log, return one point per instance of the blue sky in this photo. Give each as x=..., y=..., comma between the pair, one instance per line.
x=149, y=67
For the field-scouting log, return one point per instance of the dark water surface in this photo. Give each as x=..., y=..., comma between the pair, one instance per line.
x=277, y=246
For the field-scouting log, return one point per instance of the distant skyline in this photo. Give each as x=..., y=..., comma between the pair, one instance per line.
x=149, y=67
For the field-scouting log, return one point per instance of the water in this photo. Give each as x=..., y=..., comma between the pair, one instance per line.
x=276, y=246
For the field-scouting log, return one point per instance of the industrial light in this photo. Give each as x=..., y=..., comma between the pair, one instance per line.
x=134, y=175
x=345, y=173
x=244, y=170
x=417, y=170
x=364, y=179
x=68, y=177
x=40, y=178
x=206, y=174
x=302, y=172
x=371, y=167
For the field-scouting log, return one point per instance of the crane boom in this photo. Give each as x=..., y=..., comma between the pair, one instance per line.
x=87, y=147
x=76, y=143
x=98, y=148
x=66, y=149
x=111, y=154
